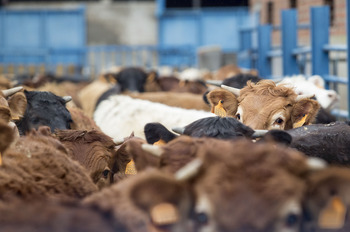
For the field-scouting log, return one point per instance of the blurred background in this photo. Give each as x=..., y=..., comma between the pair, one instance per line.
x=88, y=37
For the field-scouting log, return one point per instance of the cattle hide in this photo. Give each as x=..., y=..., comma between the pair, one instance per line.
x=38, y=165
x=119, y=116
x=240, y=80
x=183, y=100
x=55, y=216
x=327, y=141
x=89, y=95
x=81, y=121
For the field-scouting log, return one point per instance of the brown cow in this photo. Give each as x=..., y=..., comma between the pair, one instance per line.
x=45, y=215
x=149, y=201
x=80, y=120
x=238, y=186
x=96, y=152
x=37, y=166
x=264, y=105
x=327, y=202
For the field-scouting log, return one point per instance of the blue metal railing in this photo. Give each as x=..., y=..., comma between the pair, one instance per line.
x=293, y=56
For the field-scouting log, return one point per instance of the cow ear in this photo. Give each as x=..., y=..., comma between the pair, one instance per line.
x=142, y=158
x=304, y=112
x=223, y=102
x=160, y=197
x=18, y=105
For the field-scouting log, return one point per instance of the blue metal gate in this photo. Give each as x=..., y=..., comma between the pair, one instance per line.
x=42, y=37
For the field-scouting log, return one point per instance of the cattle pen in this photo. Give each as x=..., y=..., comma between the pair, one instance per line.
x=320, y=58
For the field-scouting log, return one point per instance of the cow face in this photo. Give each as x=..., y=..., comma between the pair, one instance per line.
x=265, y=106
x=327, y=200
x=44, y=109
x=235, y=191
x=95, y=151
x=132, y=79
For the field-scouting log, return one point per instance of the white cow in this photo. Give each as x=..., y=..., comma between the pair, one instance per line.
x=313, y=85
x=119, y=116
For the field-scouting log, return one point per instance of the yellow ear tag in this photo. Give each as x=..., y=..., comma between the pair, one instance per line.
x=333, y=215
x=219, y=109
x=0, y=159
x=15, y=118
x=300, y=122
x=130, y=168
x=164, y=214
x=160, y=142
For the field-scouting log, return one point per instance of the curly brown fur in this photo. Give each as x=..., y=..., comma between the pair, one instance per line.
x=131, y=200
x=37, y=166
x=53, y=215
x=92, y=149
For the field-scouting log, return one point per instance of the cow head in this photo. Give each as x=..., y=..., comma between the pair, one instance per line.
x=131, y=79
x=264, y=105
x=327, y=201
x=96, y=152
x=149, y=201
x=44, y=109
x=239, y=186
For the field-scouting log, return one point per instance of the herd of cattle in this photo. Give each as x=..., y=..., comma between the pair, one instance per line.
x=136, y=151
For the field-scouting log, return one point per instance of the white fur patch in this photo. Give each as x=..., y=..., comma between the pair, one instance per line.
x=119, y=116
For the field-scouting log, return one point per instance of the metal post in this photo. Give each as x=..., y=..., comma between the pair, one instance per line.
x=289, y=42
x=264, y=46
x=319, y=38
x=348, y=51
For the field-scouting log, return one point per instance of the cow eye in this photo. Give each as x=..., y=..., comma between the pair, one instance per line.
x=105, y=173
x=292, y=219
x=238, y=116
x=279, y=120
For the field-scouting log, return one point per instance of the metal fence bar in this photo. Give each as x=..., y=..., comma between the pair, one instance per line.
x=289, y=42
x=264, y=46
x=348, y=50
x=319, y=38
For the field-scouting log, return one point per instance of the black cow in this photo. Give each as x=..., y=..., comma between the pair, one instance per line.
x=44, y=109
x=132, y=79
x=215, y=127
x=240, y=80
x=330, y=142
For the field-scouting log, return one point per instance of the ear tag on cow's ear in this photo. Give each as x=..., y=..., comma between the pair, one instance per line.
x=164, y=214
x=160, y=142
x=15, y=117
x=333, y=215
x=219, y=109
x=300, y=122
x=130, y=168
x=0, y=159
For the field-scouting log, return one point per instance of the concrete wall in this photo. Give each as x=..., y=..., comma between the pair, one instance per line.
x=108, y=22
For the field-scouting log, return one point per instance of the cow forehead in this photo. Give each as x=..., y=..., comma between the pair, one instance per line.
x=262, y=107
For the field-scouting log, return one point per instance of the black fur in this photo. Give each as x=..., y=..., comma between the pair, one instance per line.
x=156, y=131
x=44, y=109
x=240, y=80
x=218, y=127
x=330, y=142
